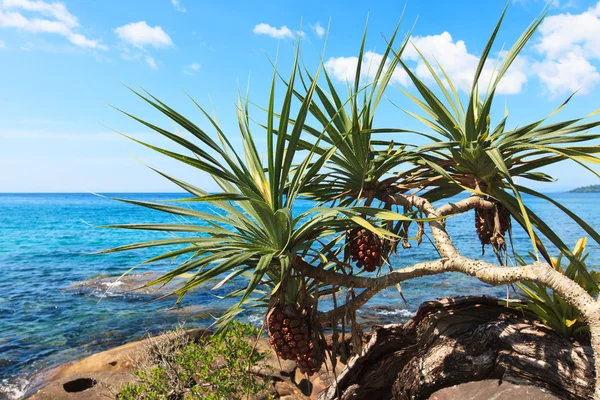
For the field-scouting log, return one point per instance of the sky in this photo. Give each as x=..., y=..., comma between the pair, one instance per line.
x=63, y=66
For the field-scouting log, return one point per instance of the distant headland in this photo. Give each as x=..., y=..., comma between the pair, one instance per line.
x=587, y=189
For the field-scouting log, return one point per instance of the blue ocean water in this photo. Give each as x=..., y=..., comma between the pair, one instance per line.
x=48, y=315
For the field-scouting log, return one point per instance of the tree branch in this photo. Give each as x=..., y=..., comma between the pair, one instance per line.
x=381, y=282
x=352, y=305
x=463, y=206
x=440, y=236
x=541, y=273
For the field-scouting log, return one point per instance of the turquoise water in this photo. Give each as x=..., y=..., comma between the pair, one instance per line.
x=47, y=243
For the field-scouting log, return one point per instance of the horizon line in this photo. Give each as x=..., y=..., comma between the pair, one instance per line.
x=184, y=192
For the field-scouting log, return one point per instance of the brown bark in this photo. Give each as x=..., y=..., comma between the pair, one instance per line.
x=465, y=339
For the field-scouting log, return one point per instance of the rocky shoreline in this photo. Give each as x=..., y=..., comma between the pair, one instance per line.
x=100, y=376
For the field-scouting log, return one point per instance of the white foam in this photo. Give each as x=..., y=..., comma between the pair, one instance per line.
x=110, y=285
x=14, y=389
x=402, y=312
x=255, y=319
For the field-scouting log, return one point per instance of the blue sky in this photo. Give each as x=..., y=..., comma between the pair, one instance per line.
x=63, y=63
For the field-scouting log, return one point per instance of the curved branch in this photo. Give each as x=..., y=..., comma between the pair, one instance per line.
x=379, y=283
x=463, y=206
x=440, y=236
x=541, y=273
x=537, y=272
x=351, y=305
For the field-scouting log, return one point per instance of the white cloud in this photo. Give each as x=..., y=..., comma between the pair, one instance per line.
x=460, y=65
x=567, y=74
x=453, y=56
x=178, y=6
x=191, y=69
x=55, y=10
x=2, y=44
x=318, y=29
x=569, y=42
x=276, y=33
x=81, y=41
x=344, y=68
x=48, y=18
x=151, y=62
x=140, y=34
x=564, y=33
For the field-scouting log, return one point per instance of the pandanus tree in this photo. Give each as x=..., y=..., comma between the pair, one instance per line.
x=253, y=231
x=469, y=154
x=366, y=192
x=355, y=166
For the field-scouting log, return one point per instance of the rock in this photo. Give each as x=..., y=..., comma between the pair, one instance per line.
x=101, y=375
x=279, y=369
x=462, y=340
x=324, y=379
x=491, y=389
x=94, y=376
x=88, y=386
x=133, y=283
x=286, y=389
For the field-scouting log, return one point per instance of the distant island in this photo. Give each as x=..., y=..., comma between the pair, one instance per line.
x=587, y=189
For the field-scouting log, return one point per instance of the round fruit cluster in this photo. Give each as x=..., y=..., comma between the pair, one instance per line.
x=365, y=249
x=291, y=338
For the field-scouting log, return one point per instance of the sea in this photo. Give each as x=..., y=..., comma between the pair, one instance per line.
x=59, y=302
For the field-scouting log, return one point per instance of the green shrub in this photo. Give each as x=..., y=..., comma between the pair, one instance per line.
x=550, y=308
x=212, y=368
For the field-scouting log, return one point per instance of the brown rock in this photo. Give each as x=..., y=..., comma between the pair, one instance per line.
x=94, y=376
x=491, y=389
x=88, y=386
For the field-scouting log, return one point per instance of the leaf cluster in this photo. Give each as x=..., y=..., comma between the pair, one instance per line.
x=550, y=308
x=214, y=368
x=327, y=146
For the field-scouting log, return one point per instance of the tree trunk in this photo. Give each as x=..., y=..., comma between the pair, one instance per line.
x=463, y=339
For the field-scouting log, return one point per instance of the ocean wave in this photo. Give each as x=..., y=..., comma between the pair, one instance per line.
x=256, y=319
x=109, y=285
x=401, y=312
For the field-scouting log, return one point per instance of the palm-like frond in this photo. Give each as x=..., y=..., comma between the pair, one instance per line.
x=350, y=161
x=553, y=310
x=253, y=230
x=252, y=233
x=472, y=156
